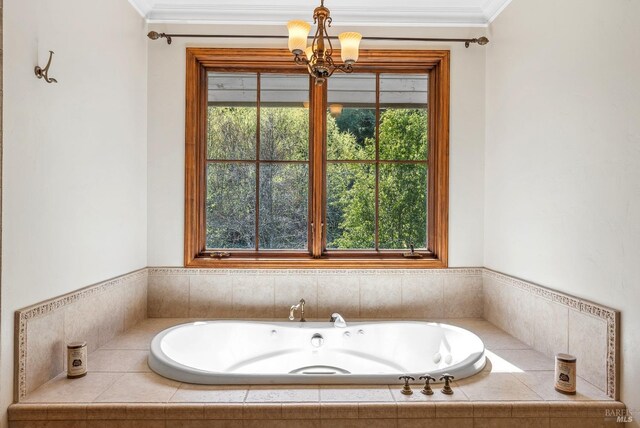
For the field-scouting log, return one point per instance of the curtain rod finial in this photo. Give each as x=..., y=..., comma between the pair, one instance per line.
x=154, y=35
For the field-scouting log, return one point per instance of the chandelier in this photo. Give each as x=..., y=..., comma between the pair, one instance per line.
x=317, y=57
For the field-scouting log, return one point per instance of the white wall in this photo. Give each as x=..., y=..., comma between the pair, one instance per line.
x=74, y=194
x=562, y=157
x=167, y=118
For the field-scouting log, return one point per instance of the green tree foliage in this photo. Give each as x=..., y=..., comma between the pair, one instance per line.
x=283, y=188
x=231, y=187
x=402, y=187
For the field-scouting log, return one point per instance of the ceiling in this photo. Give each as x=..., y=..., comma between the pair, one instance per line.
x=346, y=12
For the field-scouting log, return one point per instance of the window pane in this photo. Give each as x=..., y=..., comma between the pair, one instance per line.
x=284, y=190
x=403, y=206
x=403, y=117
x=351, y=116
x=284, y=121
x=231, y=116
x=350, y=206
x=230, y=205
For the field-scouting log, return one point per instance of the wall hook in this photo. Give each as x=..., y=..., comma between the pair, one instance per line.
x=44, y=72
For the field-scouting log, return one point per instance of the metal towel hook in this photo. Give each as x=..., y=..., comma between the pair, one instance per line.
x=44, y=72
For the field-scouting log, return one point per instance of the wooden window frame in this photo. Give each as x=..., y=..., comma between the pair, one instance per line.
x=199, y=61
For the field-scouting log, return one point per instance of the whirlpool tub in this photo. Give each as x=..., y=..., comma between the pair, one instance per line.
x=251, y=352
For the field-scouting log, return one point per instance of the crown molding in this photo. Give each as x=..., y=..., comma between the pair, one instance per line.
x=357, y=13
x=493, y=8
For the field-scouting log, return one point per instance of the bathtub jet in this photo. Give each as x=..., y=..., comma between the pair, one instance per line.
x=251, y=352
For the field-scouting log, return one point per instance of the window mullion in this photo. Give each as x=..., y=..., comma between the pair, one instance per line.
x=257, y=163
x=376, y=216
x=318, y=127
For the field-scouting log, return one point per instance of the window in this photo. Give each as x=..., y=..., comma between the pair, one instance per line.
x=283, y=173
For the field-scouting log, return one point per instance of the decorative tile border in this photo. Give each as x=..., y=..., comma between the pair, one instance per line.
x=610, y=316
x=22, y=316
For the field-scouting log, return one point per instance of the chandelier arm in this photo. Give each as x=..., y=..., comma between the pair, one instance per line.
x=330, y=50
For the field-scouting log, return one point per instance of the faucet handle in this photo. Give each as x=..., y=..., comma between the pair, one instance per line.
x=427, y=388
x=447, y=379
x=406, y=389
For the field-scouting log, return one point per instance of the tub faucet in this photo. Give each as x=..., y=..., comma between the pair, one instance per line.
x=294, y=308
x=337, y=320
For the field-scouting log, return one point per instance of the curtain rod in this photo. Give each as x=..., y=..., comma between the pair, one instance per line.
x=154, y=35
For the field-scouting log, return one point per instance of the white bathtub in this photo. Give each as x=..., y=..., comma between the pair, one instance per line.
x=251, y=352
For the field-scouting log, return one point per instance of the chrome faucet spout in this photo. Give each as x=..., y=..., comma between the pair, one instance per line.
x=299, y=306
x=337, y=320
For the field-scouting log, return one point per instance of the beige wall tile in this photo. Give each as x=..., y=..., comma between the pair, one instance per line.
x=45, y=349
x=211, y=296
x=521, y=315
x=135, y=302
x=380, y=296
x=588, y=343
x=253, y=296
x=551, y=329
x=139, y=388
x=339, y=293
x=494, y=302
x=290, y=289
x=168, y=296
x=422, y=296
x=82, y=322
x=111, y=309
x=463, y=296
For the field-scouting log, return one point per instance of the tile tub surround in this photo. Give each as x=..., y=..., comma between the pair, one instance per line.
x=552, y=322
x=95, y=314
x=370, y=294
x=128, y=394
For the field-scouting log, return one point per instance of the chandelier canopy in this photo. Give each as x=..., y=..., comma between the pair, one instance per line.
x=318, y=56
